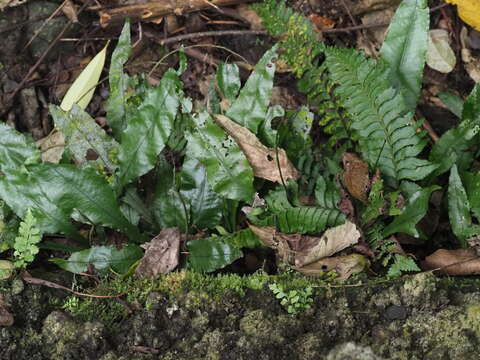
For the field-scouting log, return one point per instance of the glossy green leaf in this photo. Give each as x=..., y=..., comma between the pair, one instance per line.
x=459, y=209
x=55, y=191
x=470, y=124
x=452, y=102
x=472, y=187
x=405, y=47
x=22, y=190
x=168, y=207
x=102, y=258
x=228, y=81
x=120, y=83
x=228, y=171
x=250, y=108
x=204, y=206
x=149, y=129
x=415, y=210
x=185, y=200
x=453, y=147
x=15, y=148
x=135, y=203
x=86, y=140
x=212, y=253
x=82, y=89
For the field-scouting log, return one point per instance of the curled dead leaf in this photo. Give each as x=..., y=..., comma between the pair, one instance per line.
x=300, y=250
x=345, y=266
x=269, y=164
x=161, y=255
x=453, y=262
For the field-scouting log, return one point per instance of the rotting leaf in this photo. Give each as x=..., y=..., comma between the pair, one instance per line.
x=331, y=242
x=267, y=163
x=301, y=249
x=84, y=137
x=161, y=255
x=440, y=55
x=355, y=176
x=453, y=262
x=345, y=266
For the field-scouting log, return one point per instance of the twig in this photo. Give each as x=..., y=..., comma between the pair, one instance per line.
x=183, y=37
x=37, y=281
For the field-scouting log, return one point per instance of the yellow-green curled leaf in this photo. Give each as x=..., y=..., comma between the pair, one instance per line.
x=81, y=91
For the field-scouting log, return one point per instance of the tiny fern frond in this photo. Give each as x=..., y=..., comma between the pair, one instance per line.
x=26, y=242
x=387, y=138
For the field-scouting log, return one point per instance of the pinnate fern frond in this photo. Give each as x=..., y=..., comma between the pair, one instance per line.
x=387, y=137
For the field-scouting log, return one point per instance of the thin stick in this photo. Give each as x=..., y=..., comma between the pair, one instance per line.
x=183, y=37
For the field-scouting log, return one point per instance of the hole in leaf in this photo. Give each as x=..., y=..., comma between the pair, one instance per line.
x=91, y=155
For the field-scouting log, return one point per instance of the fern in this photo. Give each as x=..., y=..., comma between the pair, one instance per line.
x=26, y=242
x=299, y=42
x=387, y=137
x=300, y=49
x=333, y=117
x=400, y=265
x=301, y=219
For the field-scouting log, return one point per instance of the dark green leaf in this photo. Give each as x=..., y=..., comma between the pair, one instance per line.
x=103, y=258
x=459, y=209
x=15, y=148
x=119, y=83
x=405, y=47
x=415, y=210
x=168, y=207
x=85, y=138
x=452, y=148
x=472, y=187
x=453, y=103
x=22, y=190
x=149, y=129
x=250, y=108
x=228, y=80
x=212, y=253
x=228, y=171
x=204, y=206
x=470, y=124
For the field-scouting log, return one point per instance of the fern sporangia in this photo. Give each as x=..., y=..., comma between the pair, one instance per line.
x=387, y=137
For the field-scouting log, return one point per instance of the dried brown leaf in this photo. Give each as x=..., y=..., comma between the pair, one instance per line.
x=299, y=250
x=161, y=255
x=453, y=262
x=250, y=16
x=52, y=147
x=355, y=176
x=69, y=9
x=332, y=241
x=345, y=266
x=269, y=164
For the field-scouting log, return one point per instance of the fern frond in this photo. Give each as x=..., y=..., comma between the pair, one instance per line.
x=319, y=89
x=299, y=41
x=387, y=137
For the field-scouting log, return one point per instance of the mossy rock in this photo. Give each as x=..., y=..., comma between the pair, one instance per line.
x=192, y=316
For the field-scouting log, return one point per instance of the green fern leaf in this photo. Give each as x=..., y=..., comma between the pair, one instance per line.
x=387, y=137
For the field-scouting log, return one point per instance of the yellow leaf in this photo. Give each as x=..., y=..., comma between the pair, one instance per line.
x=81, y=91
x=469, y=11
